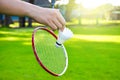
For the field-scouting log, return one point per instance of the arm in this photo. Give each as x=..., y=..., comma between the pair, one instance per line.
x=50, y=17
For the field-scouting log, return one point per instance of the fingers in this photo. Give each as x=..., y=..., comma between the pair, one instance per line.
x=50, y=17
x=55, y=24
x=52, y=25
x=62, y=23
x=56, y=20
x=59, y=21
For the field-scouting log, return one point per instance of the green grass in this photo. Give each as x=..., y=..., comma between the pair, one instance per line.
x=94, y=54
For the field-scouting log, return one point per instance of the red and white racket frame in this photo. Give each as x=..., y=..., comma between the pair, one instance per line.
x=38, y=59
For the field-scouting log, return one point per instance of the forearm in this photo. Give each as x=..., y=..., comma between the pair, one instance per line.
x=15, y=7
x=50, y=17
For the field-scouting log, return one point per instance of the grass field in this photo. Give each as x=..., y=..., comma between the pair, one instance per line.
x=94, y=54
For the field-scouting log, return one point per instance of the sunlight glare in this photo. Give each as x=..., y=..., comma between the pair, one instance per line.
x=14, y=39
x=99, y=38
x=91, y=4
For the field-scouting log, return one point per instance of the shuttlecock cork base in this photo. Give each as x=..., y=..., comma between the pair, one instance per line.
x=63, y=36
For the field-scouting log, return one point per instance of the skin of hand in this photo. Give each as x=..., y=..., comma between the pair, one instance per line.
x=47, y=16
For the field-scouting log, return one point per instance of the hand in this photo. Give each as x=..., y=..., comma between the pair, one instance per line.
x=50, y=17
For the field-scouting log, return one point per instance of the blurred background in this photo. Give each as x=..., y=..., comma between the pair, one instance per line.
x=94, y=50
x=81, y=12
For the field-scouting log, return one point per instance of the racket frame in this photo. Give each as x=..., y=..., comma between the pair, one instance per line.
x=38, y=59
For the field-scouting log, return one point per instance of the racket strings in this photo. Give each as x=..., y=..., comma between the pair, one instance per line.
x=52, y=58
x=53, y=51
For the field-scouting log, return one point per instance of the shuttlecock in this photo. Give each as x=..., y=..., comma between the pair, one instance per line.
x=63, y=36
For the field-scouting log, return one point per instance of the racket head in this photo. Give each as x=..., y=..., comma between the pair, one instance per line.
x=57, y=58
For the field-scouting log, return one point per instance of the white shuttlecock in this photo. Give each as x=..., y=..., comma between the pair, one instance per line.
x=63, y=36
